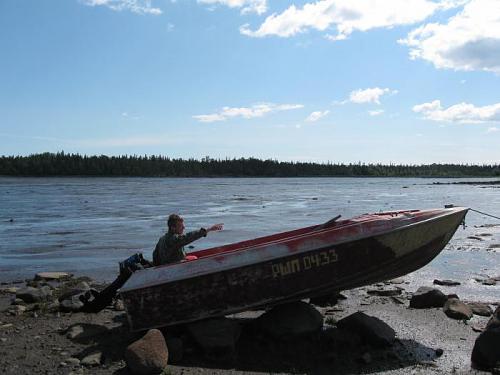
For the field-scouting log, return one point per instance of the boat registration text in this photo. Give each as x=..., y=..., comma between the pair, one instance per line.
x=304, y=263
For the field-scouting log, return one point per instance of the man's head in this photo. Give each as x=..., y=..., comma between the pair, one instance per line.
x=175, y=224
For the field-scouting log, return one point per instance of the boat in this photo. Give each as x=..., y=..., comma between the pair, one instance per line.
x=289, y=266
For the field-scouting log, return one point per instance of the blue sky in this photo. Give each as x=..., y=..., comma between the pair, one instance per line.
x=414, y=81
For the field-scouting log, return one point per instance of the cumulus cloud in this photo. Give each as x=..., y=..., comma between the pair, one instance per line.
x=370, y=95
x=347, y=16
x=376, y=112
x=470, y=40
x=247, y=6
x=461, y=113
x=135, y=6
x=256, y=110
x=316, y=115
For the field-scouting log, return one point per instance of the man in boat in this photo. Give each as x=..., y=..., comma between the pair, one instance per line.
x=170, y=246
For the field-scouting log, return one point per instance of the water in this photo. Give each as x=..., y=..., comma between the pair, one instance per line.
x=87, y=225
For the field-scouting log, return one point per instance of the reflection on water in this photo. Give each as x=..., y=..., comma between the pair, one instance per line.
x=87, y=225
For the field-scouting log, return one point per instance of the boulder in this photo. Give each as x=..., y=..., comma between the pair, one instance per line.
x=85, y=332
x=217, y=337
x=446, y=282
x=426, y=297
x=480, y=309
x=371, y=329
x=48, y=276
x=71, y=304
x=486, y=351
x=456, y=309
x=148, y=355
x=78, y=289
x=32, y=295
x=289, y=320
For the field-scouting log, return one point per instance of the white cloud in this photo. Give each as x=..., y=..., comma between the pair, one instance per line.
x=316, y=115
x=135, y=6
x=247, y=6
x=347, y=16
x=493, y=129
x=468, y=41
x=256, y=110
x=461, y=113
x=376, y=112
x=370, y=95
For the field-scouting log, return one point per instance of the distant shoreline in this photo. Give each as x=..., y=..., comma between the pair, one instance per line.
x=66, y=165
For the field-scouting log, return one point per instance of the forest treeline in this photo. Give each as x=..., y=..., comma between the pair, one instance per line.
x=64, y=164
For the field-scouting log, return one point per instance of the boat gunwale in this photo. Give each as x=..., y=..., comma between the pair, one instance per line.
x=445, y=212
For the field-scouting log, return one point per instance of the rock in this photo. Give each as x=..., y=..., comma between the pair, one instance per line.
x=217, y=337
x=456, y=309
x=18, y=301
x=175, y=349
x=489, y=282
x=325, y=300
x=17, y=310
x=371, y=329
x=9, y=290
x=118, y=305
x=426, y=297
x=78, y=289
x=93, y=359
x=72, y=361
x=397, y=281
x=32, y=295
x=398, y=300
x=486, y=351
x=480, y=309
x=291, y=319
x=71, y=304
x=85, y=332
x=46, y=276
x=439, y=352
x=446, y=282
x=5, y=326
x=385, y=292
x=3, y=339
x=149, y=355
x=475, y=238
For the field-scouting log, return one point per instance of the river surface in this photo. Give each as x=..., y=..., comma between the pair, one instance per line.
x=87, y=225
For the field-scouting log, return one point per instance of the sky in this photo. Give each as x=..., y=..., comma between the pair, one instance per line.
x=374, y=81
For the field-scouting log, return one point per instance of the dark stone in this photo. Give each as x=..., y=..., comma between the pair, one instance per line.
x=456, y=309
x=71, y=304
x=32, y=295
x=289, y=320
x=426, y=297
x=439, y=352
x=385, y=292
x=371, y=329
x=149, y=355
x=446, y=282
x=217, y=337
x=325, y=300
x=486, y=352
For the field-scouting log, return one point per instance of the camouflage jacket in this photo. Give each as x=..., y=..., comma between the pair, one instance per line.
x=170, y=247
